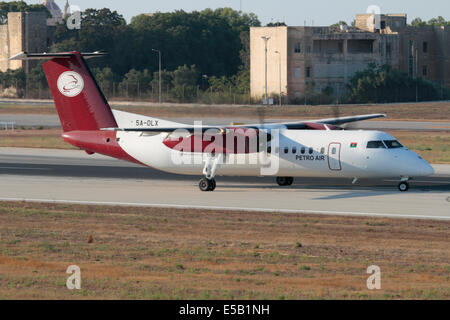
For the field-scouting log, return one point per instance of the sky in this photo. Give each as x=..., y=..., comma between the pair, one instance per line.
x=293, y=12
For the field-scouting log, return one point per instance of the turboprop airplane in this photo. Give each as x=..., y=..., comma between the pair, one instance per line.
x=288, y=150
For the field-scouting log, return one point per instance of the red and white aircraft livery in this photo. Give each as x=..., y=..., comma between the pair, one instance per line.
x=316, y=148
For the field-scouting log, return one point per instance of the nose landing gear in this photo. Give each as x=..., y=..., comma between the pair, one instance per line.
x=403, y=186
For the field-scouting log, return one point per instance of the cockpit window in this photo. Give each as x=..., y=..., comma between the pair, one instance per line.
x=393, y=144
x=375, y=145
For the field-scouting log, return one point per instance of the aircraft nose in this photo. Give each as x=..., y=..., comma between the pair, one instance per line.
x=424, y=168
x=427, y=170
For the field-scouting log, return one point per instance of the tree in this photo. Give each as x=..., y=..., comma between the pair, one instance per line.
x=185, y=81
x=15, y=79
x=276, y=24
x=101, y=30
x=36, y=77
x=340, y=23
x=380, y=84
x=417, y=22
x=105, y=78
x=135, y=82
x=209, y=39
x=19, y=6
x=166, y=80
x=434, y=22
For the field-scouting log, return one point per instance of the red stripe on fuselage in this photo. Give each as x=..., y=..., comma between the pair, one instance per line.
x=243, y=141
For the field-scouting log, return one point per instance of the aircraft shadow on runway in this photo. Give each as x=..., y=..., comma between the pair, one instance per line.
x=137, y=173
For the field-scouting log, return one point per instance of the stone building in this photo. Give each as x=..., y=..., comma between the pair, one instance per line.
x=25, y=31
x=28, y=31
x=302, y=60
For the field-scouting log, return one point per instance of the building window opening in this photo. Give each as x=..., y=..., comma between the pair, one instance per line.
x=308, y=72
x=425, y=47
x=298, y=47
x=329, y=46
x=425, y=71
x=360, y=46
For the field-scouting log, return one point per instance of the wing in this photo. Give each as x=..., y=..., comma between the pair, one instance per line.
x=317, y=124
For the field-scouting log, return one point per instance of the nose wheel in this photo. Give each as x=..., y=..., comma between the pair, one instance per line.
x=403, y=186
x=207, y=184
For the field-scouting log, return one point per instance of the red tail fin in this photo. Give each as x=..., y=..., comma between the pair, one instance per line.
x=79, y=101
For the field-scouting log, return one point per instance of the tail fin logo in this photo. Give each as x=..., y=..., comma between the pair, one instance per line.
x=70, y=84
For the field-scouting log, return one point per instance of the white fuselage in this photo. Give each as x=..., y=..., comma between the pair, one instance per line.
x=300, y=153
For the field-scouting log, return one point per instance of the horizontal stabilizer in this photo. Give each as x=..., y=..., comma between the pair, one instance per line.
x=47, y=56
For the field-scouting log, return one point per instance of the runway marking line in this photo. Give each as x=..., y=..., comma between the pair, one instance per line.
x=177, y=206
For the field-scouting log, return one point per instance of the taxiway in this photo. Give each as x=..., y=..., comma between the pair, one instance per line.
x=73, y=176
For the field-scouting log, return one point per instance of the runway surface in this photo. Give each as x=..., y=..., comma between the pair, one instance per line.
x=73, y=176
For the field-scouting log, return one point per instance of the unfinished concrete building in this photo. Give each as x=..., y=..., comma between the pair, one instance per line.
x=302, y=60
x=25, y=31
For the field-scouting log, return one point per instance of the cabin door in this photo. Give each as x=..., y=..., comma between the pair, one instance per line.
x=334, y=156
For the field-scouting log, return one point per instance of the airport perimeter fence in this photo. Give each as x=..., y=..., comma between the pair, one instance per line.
x=134, y=91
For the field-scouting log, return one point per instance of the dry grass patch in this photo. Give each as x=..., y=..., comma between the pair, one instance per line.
x=35, y=138
x=154, y=253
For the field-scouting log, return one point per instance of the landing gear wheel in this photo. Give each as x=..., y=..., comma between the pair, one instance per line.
x=289, y=181
x=285, y=181
x=213, y=185
x=403, y=186
x=207, y=184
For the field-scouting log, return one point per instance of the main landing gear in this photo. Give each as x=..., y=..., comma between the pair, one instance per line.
x=285, y=181
x=207, y=184
x=212, y=163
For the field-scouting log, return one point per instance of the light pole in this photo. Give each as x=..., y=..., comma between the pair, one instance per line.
x=279, y=72
x=266, y=39
x=159, y=53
